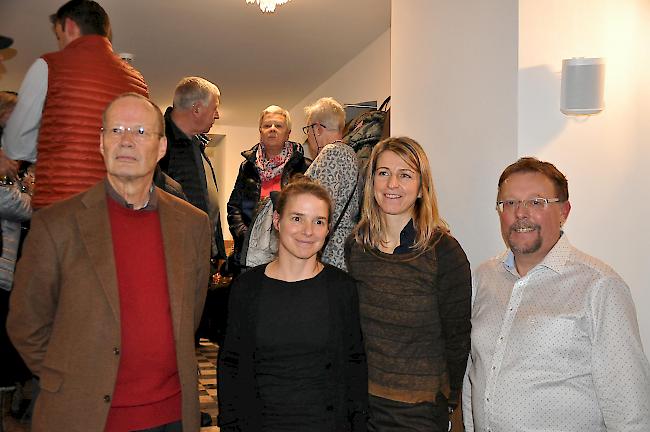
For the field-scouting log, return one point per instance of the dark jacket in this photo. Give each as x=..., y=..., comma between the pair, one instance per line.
x=184, y=163
x=168, y=184
x=239, y=406
x=246, y=194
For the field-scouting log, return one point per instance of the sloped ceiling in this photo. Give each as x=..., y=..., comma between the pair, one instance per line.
x=256, y=59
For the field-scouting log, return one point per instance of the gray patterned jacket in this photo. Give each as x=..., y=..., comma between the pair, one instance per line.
x=336, y=169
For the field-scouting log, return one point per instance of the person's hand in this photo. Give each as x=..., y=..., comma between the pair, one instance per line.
x=8, y=167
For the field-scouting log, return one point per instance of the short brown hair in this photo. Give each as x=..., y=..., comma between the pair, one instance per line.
x=299, y=185
x=89, y=16
x=547, y=169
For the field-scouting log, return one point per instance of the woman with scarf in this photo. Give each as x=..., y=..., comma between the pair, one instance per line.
x=335, y=167
x=266, y=168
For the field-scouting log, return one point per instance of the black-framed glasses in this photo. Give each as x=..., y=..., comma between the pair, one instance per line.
x=534, y=204
x=139, y=133
x=305, y=129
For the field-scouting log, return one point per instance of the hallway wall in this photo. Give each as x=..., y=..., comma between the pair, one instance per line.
x=605, y=157
x=454, y=87
x=477, y=83
x=366, y=77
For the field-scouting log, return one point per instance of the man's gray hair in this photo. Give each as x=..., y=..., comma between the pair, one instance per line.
x=191, y=90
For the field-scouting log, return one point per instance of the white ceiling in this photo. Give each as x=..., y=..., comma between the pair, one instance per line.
x=256, y=59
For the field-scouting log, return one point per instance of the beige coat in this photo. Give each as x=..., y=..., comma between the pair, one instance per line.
x=64, y=314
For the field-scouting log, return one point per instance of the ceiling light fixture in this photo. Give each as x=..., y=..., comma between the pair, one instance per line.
x=267, y=5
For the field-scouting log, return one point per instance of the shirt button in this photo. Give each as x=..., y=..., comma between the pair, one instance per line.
x=107, y=398
x=494, y=367
x=116, y=351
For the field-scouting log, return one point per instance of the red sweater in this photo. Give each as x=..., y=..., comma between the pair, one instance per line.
x=147, y=391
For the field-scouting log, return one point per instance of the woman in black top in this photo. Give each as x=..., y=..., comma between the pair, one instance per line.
x=293, y=357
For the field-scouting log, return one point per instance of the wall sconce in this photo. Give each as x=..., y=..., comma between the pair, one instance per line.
x=583, y=81
x=127, y=57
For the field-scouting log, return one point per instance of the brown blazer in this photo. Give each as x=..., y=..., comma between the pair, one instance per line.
x=64, y=316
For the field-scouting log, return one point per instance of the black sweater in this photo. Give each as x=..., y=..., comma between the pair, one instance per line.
x=239, y=405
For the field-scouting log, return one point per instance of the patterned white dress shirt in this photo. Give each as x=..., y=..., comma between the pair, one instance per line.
x=556, y=350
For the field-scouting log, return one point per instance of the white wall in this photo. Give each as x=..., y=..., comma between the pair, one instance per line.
x=365, y=77
x=478, y=83
x=454, y=88
x=605, y=157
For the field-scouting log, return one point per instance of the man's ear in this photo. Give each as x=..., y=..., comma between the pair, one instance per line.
x=565, y=209
x=101, y=144
x=162, y=147
x=71, y=29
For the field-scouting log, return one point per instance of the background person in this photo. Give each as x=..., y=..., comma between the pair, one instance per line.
x=266, y=167
x=293, y=359
x=15, y=209
x=414, y=291
x=61, y=101
x=196, y=107
x=555, y=340
x=335, y=167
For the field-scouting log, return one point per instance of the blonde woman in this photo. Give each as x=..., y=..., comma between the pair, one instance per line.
x=414, y=289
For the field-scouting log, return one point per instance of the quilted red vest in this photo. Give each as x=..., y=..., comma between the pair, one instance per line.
x=82, y=79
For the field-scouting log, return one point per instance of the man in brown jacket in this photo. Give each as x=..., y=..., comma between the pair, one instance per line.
x=110, y=290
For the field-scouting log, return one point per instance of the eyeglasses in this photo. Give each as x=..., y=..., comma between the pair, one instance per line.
x=139, y=133
x=533, y=204
x=305, y=129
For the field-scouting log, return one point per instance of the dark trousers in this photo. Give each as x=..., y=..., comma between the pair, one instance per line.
x=394, y=416
x=13, y=369
x=169, y=427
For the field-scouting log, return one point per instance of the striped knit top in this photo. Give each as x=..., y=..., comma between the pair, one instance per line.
x=415, y=315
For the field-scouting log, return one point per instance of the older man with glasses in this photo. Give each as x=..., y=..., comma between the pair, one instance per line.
x=555, y=339
x=110, y=289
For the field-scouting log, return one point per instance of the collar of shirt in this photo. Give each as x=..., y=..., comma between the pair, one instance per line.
x=179, y=136
x=406, y=239
x=151, y=205
x=554, y=260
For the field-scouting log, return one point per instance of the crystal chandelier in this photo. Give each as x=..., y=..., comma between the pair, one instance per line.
x=267, y=5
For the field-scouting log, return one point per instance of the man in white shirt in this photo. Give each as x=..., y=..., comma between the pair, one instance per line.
x=555, y=340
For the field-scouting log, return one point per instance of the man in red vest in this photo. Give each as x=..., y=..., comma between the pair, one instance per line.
x=110, y=289
x=62, y=97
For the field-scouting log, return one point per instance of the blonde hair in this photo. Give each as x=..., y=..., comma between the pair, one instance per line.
x=274, y=109
x=328, y=112
x=426, y=219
